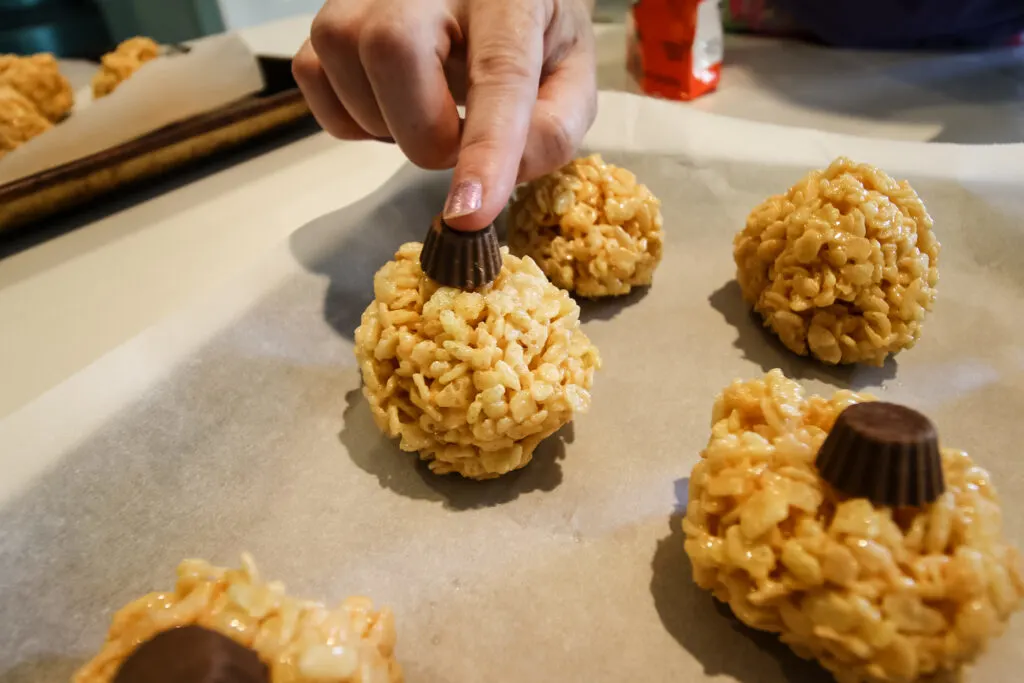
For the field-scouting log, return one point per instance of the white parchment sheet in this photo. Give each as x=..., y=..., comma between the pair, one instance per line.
x=240, y=426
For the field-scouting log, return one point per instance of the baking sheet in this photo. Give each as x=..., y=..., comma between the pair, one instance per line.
x=256, y=437
x=215, y=72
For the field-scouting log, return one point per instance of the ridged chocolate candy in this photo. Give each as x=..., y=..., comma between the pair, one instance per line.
x=192, y=654
x=884, y=452
x=456, y=258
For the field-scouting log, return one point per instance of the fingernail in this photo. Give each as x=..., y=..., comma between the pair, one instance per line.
x=464, y=199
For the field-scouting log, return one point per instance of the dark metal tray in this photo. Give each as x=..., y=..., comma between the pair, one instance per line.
x=43, y=194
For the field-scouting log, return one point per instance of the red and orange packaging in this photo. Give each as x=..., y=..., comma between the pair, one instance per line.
x=674, y=47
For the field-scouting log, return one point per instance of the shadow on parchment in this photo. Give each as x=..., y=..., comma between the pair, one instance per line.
x=43, y=669
x=350, y=245
x=609, y=307
x=407, y=475
x=761, y=346
x=707, y=628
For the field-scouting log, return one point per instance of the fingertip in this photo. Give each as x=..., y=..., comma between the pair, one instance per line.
x=332, y=30
x=464, y=209
x=483, y=180
x=305, y=63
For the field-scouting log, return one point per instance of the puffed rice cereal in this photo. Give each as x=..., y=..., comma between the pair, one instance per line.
x=20, y=121
x=873, y=593
x=473, y=381
x=590, y=226
x=119, y=65
x=843, y=266
x=299, y=641
x=38, y=78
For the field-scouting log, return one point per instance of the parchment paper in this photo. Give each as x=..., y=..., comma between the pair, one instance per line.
x=217, y=71
x=257, y=437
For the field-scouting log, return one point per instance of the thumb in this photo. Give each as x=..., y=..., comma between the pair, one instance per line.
x=505, y=52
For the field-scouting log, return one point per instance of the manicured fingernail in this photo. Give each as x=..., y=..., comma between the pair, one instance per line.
x=464, y=199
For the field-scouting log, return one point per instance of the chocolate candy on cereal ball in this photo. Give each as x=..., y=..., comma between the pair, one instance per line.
x=472, y=380
x=457, y=258
x=876, y=594
x=843, y=266
x=192, y=654
x=590, y=226
x=884, y=452
x=223, y=625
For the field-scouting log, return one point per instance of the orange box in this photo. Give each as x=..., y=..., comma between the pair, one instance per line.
x=674, y=47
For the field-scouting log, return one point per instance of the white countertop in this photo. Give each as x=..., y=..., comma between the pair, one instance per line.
x=110, y=273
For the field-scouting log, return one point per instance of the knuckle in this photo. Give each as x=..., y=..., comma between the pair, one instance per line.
x=473, y=151
x=502, y=62
x=385, y=41
x=531, y=16
x=431, y=157
x=334, y=35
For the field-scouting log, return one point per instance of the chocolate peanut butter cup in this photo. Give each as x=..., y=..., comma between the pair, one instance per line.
x=192, y=654
x=884, y=452
x=456, y=258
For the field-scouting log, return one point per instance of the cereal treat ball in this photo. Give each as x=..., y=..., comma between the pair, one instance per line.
x=873, y=593
x=843, y=266
x=117, y=66
x=474, y=381
x=592, y=228
x=20, y=121
x=38, y=78
x=299, y=641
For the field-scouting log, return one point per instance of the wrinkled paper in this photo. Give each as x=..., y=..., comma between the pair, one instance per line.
x=246, y=430
x=215, y=72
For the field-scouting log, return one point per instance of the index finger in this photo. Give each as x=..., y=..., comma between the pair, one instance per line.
x=505, y=54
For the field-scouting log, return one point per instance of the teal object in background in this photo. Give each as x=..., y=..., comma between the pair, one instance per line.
x=165, y=21
x=89, y=28
x=67, y=28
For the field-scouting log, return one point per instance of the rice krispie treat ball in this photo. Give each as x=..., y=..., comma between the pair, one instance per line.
x=299, y=641
x=119, y=65
x=843, y=266
x=20, y=121
x=473, y=381
x=590, y=226
x=875, y=594
x=38, y=78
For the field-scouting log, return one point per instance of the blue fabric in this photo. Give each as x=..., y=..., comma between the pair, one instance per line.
x=908, y=23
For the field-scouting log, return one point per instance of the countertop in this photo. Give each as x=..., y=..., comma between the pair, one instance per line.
x=85, y=284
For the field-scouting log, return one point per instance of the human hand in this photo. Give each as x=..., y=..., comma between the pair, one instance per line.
x=396, y=69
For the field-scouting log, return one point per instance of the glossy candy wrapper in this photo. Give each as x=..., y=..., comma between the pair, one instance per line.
x=674, y=47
